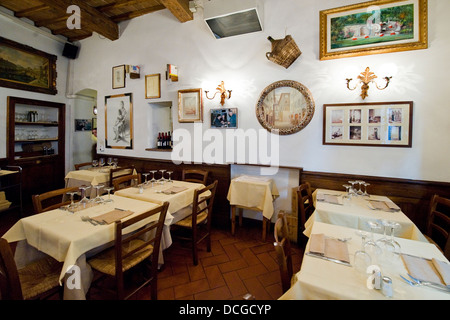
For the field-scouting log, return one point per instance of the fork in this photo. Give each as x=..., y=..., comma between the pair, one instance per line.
x=419, y=283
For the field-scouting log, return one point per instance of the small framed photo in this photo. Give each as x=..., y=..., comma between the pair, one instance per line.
x=83, y=124
x=153, y=86
x=190, y=105
x=118, y=77
x=382, y=124
x=224, y=118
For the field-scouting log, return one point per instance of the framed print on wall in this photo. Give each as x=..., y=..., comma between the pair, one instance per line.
x=119, y=121
x=118, y=77
x=25, y=68
x=285, y=106
x=190, y=105
x=153, y=86
x=378, y=124
x=373, y=27
x=224, y=118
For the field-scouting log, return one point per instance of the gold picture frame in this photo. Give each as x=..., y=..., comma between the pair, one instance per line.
x=153, y=86
x=190, y=105
x=119, y=121
x=405, y=28
x=118, y=77
x=376, y=124
x=25, y=68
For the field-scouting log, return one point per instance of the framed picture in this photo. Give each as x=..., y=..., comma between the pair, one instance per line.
x=83, y=124
x=118, y=77
x=25, y=68
x=153, y=86
x=285, y=107
x=119, y=121
x=373, y=27
x=190, y=105
x=224, y=118
x=382, y=124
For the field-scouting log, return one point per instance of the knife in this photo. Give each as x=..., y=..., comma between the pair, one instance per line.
x=316, y=255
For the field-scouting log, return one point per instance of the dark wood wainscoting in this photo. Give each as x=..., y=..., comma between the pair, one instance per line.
x=216, y=172
x=412, y=196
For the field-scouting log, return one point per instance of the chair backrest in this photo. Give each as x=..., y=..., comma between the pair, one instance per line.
x=305, y=202
x=126, y=181
x=153, y=232
x=78, y=166
x=438, y=223
x=119, y=172
x=52, y=199
x=10, y=288
x=282, y=247
x=202, y=196
x=194, y=175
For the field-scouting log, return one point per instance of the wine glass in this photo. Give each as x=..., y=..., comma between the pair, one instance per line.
x=352, y=189
x=387, y=247
x=115, y=162
x=102, y=162
x=347, y=192
x=170, y=176
x=110, y=161
x=95, y=163
x=394, y=225
x=98, y=199
x=145, y=178
x=162, y=180
x=360, y=192
x=72, y=204
x=153, y=180
x=84, y=200
x=109, y=189
x=371, y=247
x=362, y=259
x=365, y=194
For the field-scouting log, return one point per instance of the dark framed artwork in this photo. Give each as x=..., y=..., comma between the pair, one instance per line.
x=378, y=124
x=118, y=77
x=285, y=107
x=25, y=68
x=119, y=121
x=83, y=124
x=224, y=118
x=373, y=27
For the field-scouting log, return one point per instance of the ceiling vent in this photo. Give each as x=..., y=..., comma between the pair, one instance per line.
x=227, y=18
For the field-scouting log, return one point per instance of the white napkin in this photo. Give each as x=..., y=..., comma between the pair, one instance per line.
x=426, y=270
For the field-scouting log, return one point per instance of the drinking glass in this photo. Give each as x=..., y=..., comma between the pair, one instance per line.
x=365, y=194
x=102, y=162
x=94, y=163
x=371, y=247
x=387, y=247
x=72, y=204
x=362, y=259
x=98, y=199
x=115, y=162
x=360, y=192
x=347, y=192
x=153, y=180
x=110, y=161
x=394, y=225
x=170, y=175
x=145, y=178
x=109, y=189
x=162, y=180
x=84, y=200
x=352, y=189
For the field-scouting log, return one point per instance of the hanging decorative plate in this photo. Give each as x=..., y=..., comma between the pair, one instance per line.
x=285, y=107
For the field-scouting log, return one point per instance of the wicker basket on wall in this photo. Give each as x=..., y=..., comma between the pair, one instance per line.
x=284, y=51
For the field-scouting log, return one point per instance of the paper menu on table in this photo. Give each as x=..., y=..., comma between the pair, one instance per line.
x=383, y=205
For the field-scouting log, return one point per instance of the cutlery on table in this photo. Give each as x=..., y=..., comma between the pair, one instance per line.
x=419, y=283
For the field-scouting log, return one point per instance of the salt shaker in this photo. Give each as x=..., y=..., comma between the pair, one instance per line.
x=386, y=287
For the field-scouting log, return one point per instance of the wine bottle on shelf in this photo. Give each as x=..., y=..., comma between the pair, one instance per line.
x=165, y=140
x=158, y=143
x=169, y=139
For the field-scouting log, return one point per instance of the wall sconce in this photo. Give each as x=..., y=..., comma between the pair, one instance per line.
x=94, y=110
x=222, y=91
x=365, y=78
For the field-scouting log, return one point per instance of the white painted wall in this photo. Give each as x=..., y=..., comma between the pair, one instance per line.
x=156, y=39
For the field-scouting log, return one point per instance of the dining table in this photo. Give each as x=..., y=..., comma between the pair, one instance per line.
x=332, y=207
x=256, y=193
x=321, y=279
x=69, y=238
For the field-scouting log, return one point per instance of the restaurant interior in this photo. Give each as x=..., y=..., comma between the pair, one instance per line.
x=224, y=150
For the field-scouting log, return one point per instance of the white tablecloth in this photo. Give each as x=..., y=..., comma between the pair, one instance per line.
x=253, y=192
x=321, y=279
x=65, y=237
x=356, y=213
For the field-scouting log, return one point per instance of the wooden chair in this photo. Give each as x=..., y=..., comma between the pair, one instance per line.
x=130, y=251
x=126, y=181
x=438, y=224
x=52, y=199
x=78, y=166
x=305, y=209
x=199, y=222
x=283, y=251
x=37, y=280
x=120, y=172
x=197, y=176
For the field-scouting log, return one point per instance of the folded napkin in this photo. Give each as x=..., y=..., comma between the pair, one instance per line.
x=383, y=205
x=328, y=247
x=330, y=198
x=112, y=216
x=427, y=270
x=174, y=190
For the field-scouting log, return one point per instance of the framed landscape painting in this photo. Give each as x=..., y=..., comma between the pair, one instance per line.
x=190, y=105
x=25, y=68
x=374, y=27
x=382, y=124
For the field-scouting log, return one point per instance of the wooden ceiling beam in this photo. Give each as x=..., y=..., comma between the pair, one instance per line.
x=46, y=22
x=27, y=12
x=117, y=4
x=134, y=14
x=179, y=8
x=91, y=18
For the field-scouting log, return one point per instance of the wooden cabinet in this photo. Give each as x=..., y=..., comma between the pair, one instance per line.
x=36, y=143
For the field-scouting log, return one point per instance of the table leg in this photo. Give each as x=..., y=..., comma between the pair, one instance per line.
x=233, y=219
x=264, y=229
x=241, y=213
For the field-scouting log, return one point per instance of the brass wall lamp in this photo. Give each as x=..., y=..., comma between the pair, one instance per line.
x=223, y=93
x=365, y=78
